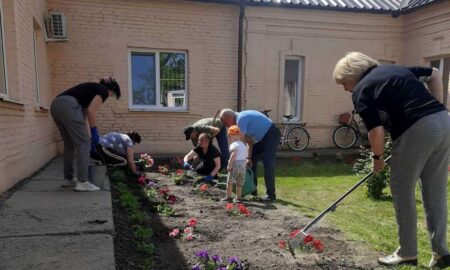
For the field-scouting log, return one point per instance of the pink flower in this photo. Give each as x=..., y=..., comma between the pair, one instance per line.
x=282, y=244
x=192, y=222
x=189, y=237
x=174, y=232
x=229, y=206
x=203, y=187
x=188, y=230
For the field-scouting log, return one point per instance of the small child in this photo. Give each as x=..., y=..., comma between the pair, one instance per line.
x=236, y=164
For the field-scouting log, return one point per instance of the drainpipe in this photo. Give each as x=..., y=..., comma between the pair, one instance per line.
x=241, y=35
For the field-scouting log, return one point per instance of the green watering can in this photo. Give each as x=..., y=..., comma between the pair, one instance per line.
x=249, y=185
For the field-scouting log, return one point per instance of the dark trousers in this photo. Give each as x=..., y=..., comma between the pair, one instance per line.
x=222, y=141
x=109, y=156
x=205, y=168
x=266, y=149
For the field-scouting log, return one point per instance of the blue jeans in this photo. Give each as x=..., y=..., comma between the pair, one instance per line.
x=266, y=149
x=222, y=141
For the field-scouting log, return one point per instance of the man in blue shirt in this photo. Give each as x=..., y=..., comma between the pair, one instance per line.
x=262, y=137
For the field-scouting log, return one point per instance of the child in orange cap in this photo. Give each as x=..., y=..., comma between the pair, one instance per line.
x=236, y=164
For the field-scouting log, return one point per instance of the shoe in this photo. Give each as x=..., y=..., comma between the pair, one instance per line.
x=237, y=200
x=394, y=259
x=268, y=198
x=438, y=262
x=226, y=199
x=86, y=186
x=69, y=183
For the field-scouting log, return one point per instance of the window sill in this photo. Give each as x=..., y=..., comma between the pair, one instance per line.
x=41, y=109
x=7, y=103
x=158, y=110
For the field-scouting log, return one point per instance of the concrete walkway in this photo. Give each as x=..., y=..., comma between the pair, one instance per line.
x=44, y=226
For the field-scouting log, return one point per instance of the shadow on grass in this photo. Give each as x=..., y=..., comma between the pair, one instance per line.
x=299, y=207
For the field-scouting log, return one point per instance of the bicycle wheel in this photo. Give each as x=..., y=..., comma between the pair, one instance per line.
x=297, y=138
x=345, y=136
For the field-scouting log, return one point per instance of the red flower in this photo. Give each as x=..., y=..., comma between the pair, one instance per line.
x=179, y=172
x=192, y=222
x=308, y=239
x=243, y=210
x=229, y=206
x=294, y=233
x=203, y=187
x=172, y=199
x=318, y=245
x=164, y=191
x=282, y=244
x=141, y=180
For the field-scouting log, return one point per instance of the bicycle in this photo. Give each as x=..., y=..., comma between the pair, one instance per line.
x=347, y=133
x=294, y=134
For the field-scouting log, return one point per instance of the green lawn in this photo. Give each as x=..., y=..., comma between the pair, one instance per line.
x=311, y=186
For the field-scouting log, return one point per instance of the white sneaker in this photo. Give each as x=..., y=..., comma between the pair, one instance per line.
x=69, y=183
x=395, y=259
x=86, y=186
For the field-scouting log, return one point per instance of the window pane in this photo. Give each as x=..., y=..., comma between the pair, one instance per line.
x=2, y=62
x=172, y=76
x=435, y=63
x=291, y=87
x=143, y=82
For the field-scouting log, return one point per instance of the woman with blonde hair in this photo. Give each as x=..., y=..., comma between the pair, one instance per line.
x=419, y=125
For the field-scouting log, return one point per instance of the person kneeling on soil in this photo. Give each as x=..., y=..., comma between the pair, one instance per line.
x=236, y=164
x=215, y=129
x=208, y=157
x=116, y=149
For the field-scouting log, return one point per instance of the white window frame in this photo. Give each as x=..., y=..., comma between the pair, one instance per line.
x=300, y=89
x=36, y=69
x=157, y=107
x=5, y=73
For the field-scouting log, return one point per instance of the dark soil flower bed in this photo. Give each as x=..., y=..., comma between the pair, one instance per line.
x=252, y=238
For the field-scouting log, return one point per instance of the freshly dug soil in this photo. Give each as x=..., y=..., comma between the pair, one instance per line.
x=253, y=239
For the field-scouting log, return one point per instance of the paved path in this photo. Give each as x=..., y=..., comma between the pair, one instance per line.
x=44, y=226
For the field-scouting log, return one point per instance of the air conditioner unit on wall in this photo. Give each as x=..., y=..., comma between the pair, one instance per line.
x=55, y=26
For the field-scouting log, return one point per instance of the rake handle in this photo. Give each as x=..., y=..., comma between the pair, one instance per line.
x=334, y=205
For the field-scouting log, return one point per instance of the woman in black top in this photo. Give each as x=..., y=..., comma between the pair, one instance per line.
x=419, y=126
x=74, y=112
x=208, y=155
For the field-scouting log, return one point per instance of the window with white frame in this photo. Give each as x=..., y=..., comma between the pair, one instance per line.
x=158, y=80
x=293, y=87
x=3, y=89
x=443, y=64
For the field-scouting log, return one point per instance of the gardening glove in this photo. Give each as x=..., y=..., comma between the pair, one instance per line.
x=187, y=166
x=208, y=179
x=94, y=134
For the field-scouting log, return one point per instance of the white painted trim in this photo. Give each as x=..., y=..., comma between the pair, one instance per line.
x=300, y=88
x=157, y=107
x=36, y=69
x=2, y=22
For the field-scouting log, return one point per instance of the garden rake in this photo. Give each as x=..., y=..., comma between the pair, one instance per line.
x=330, y=208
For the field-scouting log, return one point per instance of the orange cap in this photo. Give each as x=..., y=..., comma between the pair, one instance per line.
x=234, y=130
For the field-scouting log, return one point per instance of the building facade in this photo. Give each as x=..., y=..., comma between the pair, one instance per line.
x=178, y=61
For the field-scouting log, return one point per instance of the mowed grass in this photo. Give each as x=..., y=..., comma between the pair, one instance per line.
x=311, y=186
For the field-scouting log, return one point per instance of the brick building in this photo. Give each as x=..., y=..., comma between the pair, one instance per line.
x=178, y=61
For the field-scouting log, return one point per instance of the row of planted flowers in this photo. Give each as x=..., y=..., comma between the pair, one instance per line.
x=164, y=198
